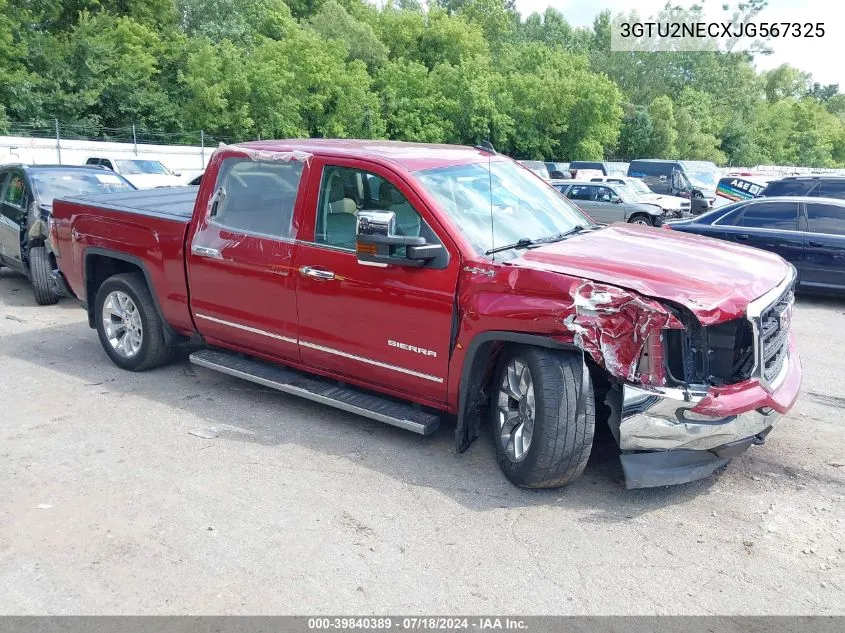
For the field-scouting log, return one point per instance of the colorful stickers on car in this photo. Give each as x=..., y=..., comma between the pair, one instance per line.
x=734, y=188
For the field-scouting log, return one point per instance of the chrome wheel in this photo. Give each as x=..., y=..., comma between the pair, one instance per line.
x=516, y=410
x=641, y=222
x=122, y=324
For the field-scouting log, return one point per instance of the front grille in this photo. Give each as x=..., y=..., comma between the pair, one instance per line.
x=773, y=330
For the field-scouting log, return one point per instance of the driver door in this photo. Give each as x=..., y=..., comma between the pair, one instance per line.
x=387, y=324
x=13, y=204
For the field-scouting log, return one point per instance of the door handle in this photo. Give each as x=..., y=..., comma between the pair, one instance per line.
x=815, y=243
x=317, y=273
x=741, y=237
x=205, y=251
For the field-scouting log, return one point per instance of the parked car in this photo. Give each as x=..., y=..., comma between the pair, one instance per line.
x=196, y=181
x=617, y=168
x=692, y=179
x=27, y=193
x=812, y=186
x=537, y=166
x=733, y=188
x=611, y=202
x=672, y=206
x=143, y=173
x=807, y=232
x=558, y=171
x=598, y=165
x=369, y=274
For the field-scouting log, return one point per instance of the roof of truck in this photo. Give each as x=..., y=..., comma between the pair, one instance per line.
x=411, y=156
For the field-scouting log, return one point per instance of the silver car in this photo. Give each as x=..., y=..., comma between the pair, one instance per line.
x=608, y=202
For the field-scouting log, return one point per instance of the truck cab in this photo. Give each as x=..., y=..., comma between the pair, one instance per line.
x=426, y=284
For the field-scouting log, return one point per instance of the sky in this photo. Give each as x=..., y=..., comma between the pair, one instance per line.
x=822, y=56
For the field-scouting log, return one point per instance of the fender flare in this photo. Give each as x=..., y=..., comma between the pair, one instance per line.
x=475, y=366
x=169, y=334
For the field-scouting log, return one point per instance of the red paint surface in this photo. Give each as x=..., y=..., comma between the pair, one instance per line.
x=712, y=278
x=590, y=281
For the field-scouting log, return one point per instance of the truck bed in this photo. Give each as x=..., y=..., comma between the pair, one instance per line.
x=173, y=203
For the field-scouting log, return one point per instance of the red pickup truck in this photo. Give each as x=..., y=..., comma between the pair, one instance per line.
x=408, y=283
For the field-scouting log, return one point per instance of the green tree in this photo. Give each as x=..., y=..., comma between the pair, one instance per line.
x=332, y=22
x=664, y=134
x=635, y=133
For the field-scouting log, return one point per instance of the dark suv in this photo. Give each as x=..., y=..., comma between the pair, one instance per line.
x=811, y=186
x=26, y=201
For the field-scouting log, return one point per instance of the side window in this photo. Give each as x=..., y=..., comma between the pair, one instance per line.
x=92, y=161
x=105, y=162
x=826, y=218
x=580, y=192
x=771, y=215
x=257, y=196
x=345, y=190
x=832, y=189
x=791, y=187
x=605, y=194
x=15, y=190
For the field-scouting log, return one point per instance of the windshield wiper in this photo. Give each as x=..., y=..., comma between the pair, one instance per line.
x=523, y=243
x=526, y=243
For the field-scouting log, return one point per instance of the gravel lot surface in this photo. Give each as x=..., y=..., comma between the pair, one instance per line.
x=185, y=491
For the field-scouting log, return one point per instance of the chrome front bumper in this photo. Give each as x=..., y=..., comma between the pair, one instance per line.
x=655, y=419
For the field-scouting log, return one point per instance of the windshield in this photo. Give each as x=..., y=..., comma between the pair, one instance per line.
x=523, y=206
x=134, y=167
x=66, y=182
x=628, y=194
x=702, y=175
x=637, y=185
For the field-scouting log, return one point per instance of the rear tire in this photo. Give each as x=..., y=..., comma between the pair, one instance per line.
x=128, y=324
x=642, y=219
x=560, y=437
x=41, y=275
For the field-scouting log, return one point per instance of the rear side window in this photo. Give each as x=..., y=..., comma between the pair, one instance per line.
x=92, y=161
x=832, y=189
x=581, y=192
x=770, y=215
x=826, y=218
x=792, y=188
x=649, y=169
x=257, y=196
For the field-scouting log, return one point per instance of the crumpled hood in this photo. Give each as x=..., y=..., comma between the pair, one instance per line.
x=714, y=279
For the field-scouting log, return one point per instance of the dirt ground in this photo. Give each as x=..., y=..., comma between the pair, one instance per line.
x=112, y=502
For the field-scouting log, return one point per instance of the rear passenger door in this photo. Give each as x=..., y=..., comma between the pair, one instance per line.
x=771, y=226
x=824, y=261
x=240, y=262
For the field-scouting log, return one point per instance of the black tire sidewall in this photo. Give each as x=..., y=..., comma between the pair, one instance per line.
x=518, y=472
x=39, y=276
x=136, y=361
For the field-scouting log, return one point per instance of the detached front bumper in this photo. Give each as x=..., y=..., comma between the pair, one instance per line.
x=672, y=436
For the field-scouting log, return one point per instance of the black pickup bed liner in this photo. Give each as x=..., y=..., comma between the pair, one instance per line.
x=172, y=203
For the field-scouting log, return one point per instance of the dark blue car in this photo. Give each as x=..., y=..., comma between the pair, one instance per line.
x=809, y=232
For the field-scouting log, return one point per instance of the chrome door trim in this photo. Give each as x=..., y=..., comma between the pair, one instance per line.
x=370, y=361
x=247, y=328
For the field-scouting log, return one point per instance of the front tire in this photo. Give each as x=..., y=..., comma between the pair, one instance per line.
x=40, y=273
x=542, y=439
x=128, y=323
x=641, y=219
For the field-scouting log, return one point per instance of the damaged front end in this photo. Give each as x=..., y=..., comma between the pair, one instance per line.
x=685, y=398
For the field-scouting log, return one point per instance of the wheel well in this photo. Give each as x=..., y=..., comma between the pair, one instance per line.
x=98, y=268
x=479, y=365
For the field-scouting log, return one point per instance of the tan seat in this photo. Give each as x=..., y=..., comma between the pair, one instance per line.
x=407, y=219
